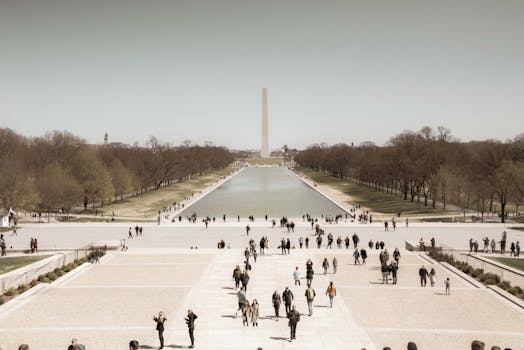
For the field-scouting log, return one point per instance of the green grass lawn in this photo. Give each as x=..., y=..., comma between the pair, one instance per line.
x=148, y=204
x=519, y=219
x=106, y=219
x=12, y=263
x=515, y=263
x=375, y=200
x=517, y=228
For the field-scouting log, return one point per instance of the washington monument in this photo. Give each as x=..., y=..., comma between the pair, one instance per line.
x=264, y=149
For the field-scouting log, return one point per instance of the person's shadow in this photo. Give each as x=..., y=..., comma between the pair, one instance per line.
x=172, y=346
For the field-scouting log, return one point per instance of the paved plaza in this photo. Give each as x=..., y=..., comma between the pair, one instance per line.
x=107, y=304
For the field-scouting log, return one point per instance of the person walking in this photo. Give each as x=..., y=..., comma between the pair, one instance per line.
x=335, y=265
x=242, y=300
x=447, y=283
x=384, y=269
x=276, y=300
x=296, y=276
x=307, y=242
x=309, y=276
x=283, y=246
x=423, y=273
x=254, y=313
x=246, y=312
x=364, y=255
x=310, y=296
x=432, y=275
x=288, y=297
x=130, y=234
x=301, y=242
x=331, y=292
x=493, y=245
x=393, y=267
x=294, y=318
x=244, y=278
x=190, y=321
x=236, y=276
x=160, y=320
x=288, y=246
x=3, y=246
x=356, y=255
x=325, y=265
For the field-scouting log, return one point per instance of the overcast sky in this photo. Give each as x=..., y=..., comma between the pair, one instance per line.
x=337, y=71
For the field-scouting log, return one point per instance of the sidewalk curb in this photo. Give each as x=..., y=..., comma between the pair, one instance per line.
x=511, y=298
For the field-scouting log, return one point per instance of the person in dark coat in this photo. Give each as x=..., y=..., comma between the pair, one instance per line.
x=423, y=273
x=190, y=321
x=160, y=320
x=276, y=300
x=363, y=255
x=288, y=297
x=309, y=276
x=244, y=278
x=294, y=318
x=236, y=276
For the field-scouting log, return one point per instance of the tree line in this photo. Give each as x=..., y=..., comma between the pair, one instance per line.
x=60, y=171
x=431, y=166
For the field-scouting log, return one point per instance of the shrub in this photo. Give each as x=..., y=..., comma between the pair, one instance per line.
x=52, y=276
x=66, y=268
x=10, y=292
x=1, y=299
x=33, y=283
x=58, y=272
x=491, y=278
x=22, y=288
x=477, y=273
x=504, y=285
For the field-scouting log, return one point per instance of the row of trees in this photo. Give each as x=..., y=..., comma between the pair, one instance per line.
x=433, y=166
x=60, y=170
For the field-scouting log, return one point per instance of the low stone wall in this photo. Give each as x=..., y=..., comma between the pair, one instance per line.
x=26, y=274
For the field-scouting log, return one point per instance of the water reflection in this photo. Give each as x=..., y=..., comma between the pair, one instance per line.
x=257, y=191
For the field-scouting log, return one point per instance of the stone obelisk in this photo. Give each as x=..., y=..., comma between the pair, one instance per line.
x=264, y=149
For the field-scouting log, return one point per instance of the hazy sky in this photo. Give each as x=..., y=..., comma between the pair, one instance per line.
x=337, y=71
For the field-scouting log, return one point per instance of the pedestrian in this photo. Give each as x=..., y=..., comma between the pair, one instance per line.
x=477, y=345
x=309, y=276
x=412, y=346
x=130, y=234
x=35, y=244
x=517, y=249
x=75, y=346
x=393, y=267
x=346, y=242
x=319, y=241
x=307, y=242
x=276, y=300
x=325, y=265
x=493, y=245
x=283, y=246
x=288, y=245
x=288, y=297
x=160, y=320
x=384, y=269
x=134, y=345
x=335, y=265
x=236, y=276
x=423, y=273
x=300, y=242
x=310, y=296
x=356, y=255
x=242, y=300
x=247, y=230
x=294, y=318
x=246, y=312
x=396, y=255
x=363, y=255
x=14, y=233
x=447, y=282
x=254, y=313
x=432, y=275
x=3, y=246
x=331, y=292
x=355, y=239
x=244, y=278
x=296, y=276
x=190, y=321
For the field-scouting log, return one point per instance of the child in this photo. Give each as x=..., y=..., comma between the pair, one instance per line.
x=447, y=282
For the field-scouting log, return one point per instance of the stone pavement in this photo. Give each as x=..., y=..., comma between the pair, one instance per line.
x=108, y=304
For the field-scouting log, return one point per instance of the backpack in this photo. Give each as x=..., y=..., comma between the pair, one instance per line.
x=310, y=294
